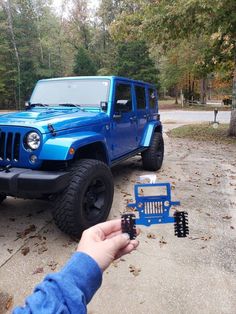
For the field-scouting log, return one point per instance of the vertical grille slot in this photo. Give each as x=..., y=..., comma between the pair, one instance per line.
x=16, y=147
x=9, y=146
x=153, y=208
x=2, y=145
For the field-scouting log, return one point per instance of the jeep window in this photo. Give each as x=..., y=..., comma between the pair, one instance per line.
x=140, y=97
x=84, y=93
x=123, y=99
x=152, y=99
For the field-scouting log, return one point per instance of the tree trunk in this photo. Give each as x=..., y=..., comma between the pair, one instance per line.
x=176, y=95
x=7, y=8
x=232, y=125
x=203, y=91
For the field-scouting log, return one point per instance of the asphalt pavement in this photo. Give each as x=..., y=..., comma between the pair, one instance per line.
x=184, y=116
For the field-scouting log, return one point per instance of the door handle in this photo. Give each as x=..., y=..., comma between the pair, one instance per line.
x=133, y=119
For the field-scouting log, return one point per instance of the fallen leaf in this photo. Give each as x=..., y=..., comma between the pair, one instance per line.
x=125, y=194
x=42, y=249
x=52, y=265
x=24, y=233
x=9, y=303
x=162, y=242
x=134, y=270
x=206, y=238
x=38, y=270
x=227, y=217
x=191, y=238
x=151, y=235
x=6, y=301
x=25, y=251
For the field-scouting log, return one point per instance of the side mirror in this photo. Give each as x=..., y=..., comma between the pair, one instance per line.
x=27, y=105
x=104, y=105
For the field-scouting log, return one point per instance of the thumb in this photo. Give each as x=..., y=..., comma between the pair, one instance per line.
x=119, y=241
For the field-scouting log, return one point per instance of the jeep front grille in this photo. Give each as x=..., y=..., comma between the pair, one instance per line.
x=9, y=146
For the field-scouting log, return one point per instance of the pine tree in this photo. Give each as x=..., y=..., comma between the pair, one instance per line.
x=83, y=63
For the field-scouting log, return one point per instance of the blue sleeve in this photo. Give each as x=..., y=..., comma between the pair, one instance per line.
x=68, y=291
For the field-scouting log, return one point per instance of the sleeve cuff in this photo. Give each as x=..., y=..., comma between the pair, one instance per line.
x=85, y=272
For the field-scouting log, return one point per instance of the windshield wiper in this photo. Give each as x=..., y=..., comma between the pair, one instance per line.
x=38, y=105
x=70, y=105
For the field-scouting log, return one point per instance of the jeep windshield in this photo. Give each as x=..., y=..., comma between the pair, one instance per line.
x=71, y=93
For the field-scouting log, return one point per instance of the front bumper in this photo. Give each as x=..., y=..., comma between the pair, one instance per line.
x=32, y=183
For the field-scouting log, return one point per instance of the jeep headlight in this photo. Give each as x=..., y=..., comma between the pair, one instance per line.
x=33, y=140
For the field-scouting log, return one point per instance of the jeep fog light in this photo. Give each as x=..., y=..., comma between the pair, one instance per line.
x=33, y=159
x=33, y=140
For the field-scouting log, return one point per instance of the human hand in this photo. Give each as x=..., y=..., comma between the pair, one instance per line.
x=105, y=242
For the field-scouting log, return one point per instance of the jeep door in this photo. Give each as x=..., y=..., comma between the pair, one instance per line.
x=124, y=130
x=141, y=109
x=152, y=103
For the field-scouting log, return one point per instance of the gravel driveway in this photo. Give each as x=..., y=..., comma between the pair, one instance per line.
x=192, y=275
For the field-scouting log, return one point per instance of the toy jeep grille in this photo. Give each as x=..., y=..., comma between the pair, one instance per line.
x=153, y=208
x=9, y=146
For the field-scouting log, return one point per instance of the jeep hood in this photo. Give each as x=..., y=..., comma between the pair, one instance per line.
x=61, y=119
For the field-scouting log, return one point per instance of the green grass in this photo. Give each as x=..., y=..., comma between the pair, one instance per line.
x=203, y=132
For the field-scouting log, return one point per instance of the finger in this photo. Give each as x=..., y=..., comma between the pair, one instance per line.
x=118, y=242
x=128, y=249
x=113, y=234
x=109, y=227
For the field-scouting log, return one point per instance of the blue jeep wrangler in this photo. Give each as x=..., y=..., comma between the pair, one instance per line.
x=72, y=132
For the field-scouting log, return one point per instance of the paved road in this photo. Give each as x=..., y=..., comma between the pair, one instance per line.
x=182, y=116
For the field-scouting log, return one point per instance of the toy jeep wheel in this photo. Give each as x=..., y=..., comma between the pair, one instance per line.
x=88, y=198
x=152, y=158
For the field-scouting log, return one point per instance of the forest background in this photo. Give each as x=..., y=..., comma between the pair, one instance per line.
x=186, y=46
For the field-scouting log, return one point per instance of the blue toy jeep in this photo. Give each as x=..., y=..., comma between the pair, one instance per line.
x=72, y=132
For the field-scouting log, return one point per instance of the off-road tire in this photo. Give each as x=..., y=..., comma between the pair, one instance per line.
x=80, y=205
x=152, y=158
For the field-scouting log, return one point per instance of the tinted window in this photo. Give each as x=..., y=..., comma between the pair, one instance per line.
x=152, y=99
x=123, y=100
x=140, y=97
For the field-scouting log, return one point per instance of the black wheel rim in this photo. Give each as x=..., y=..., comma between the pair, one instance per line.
x=94, y=199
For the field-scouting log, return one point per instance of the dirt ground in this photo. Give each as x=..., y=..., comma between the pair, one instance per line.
x=166, y=274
